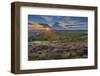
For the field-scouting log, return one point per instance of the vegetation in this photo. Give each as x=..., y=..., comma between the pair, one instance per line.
x=57, y=45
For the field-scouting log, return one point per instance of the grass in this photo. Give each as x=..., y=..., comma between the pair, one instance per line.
x=58, y=45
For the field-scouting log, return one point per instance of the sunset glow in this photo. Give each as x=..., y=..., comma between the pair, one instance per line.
x=39, y=27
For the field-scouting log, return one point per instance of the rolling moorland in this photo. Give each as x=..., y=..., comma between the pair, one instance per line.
x=57, y=44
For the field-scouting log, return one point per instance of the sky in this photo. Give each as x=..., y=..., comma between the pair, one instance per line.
x=59, y=22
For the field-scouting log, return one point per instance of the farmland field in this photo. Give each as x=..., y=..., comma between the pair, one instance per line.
x=63, y=44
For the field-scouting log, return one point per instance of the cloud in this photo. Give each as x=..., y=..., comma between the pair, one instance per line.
x=66, y=22
x=47, y=18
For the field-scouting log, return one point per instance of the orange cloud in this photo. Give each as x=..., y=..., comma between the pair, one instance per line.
x=39, y=27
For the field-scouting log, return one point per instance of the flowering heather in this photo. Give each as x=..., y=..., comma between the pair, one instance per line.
x=58, y=51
